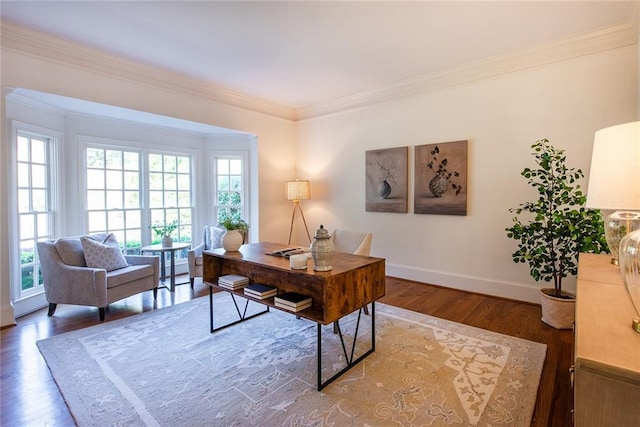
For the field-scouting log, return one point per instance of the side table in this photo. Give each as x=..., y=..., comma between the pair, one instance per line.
x=158, y=248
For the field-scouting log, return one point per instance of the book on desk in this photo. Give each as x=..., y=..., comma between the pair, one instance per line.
x=260, y=291
x=233, y=281
x=292, y=301
x=287, y=252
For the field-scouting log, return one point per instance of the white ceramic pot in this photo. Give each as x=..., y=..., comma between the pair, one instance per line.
x=231, y=240
x=167, y=241
x=557, y=312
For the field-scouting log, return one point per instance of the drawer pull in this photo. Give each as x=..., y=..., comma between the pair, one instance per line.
x=572, y=371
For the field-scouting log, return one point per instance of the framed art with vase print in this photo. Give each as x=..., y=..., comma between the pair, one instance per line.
x=440, y=185
x=386, y=180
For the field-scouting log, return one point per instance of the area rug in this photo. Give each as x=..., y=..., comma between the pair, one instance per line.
x=164, y=368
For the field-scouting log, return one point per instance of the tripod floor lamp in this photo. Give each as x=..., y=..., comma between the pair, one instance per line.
x=298, y=190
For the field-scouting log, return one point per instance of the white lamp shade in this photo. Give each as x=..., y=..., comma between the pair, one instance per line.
x=614, y=179
x=298, y=190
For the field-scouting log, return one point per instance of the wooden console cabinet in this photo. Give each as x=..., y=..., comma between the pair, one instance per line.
x=607, y=349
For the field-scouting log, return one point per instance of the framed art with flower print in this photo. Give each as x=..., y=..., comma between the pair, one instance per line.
x=386, y=180
x=440, y=185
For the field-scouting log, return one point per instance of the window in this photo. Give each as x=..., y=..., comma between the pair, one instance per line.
x=230, y=194
x=35, y=216
x=115, y=180
x=170, y=194
x=113, y=195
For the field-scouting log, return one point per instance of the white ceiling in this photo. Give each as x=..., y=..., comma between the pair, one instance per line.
x=301, y=53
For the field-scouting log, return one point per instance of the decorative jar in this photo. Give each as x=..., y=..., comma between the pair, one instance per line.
x=231, y=240
x=322, y=250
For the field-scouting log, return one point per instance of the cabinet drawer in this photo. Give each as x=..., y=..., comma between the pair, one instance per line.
x=602, y=401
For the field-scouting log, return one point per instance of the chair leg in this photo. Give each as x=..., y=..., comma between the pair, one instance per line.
x=366, y=310
x=52, y=309
x=192, y=280
x=101, y=310
x=155, y=293
x=335, y=327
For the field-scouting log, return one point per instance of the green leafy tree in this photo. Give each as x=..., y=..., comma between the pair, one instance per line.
x=552, y=230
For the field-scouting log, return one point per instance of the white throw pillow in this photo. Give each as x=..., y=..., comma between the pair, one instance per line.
x=106, y=254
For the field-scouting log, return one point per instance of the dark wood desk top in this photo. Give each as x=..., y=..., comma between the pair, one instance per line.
x=353, y=282
x=257, y=253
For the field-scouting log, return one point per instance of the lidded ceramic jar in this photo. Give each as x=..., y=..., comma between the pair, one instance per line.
x=322, y=250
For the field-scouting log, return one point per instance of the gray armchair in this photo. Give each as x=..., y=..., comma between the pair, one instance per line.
x=68, y=280
x=211, y=239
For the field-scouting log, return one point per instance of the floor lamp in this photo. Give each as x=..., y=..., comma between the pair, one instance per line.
x=298, y=190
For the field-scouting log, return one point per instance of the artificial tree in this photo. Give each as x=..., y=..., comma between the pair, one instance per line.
x=552, y=230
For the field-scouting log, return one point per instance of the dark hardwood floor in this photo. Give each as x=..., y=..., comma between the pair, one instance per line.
x=30, y=397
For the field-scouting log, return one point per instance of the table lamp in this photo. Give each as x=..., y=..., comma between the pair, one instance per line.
x=614, y=182
x=614, y=188
x=298, y=190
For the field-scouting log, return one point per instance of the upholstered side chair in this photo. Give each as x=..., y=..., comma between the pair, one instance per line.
x=211, y=239
x=352, y=242
x=93, y=272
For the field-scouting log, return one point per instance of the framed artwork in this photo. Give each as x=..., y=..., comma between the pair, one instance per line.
x=386, y=180
x=440, y=185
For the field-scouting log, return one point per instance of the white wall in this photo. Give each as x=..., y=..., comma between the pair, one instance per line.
x=501, y=117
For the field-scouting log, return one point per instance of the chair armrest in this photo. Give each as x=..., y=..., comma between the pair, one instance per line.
x=192, y=254
x=195, y=251
x=146, y=259
x=67, y=284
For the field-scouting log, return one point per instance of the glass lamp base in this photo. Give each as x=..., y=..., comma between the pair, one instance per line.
x=630, y=271
x=618, y=224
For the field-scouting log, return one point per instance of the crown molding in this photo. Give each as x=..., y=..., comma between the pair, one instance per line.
x=31, y=42
x=38, y=44
x=572, y=47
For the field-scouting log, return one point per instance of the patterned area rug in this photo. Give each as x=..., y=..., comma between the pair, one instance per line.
x=164, y=368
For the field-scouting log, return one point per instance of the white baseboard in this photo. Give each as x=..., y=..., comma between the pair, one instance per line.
x=481, y=285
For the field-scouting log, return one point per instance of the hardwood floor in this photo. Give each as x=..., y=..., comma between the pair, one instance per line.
x=30, y=397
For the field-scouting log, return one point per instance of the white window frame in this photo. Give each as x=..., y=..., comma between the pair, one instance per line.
x=245, y=194
x=27, y=301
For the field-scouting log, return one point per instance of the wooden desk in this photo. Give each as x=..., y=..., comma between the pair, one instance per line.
x=354, y=282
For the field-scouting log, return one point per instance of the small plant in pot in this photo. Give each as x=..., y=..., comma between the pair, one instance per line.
x=164, y=231
x=236, y=230
x=552, y=230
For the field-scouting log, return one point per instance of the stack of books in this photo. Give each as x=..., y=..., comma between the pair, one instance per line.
x=260, y=291
x=292, y=301
x=233, y=281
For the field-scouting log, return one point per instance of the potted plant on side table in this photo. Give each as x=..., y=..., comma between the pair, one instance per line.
x=552, y=230
x=236, y=228
x=164, y=232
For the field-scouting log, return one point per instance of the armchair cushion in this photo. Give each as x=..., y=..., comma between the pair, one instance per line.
x=105, y=254
x=128, y=274
x=70, y=251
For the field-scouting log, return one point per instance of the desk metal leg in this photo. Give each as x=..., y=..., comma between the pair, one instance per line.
x=242, y=315
x=348, y=357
